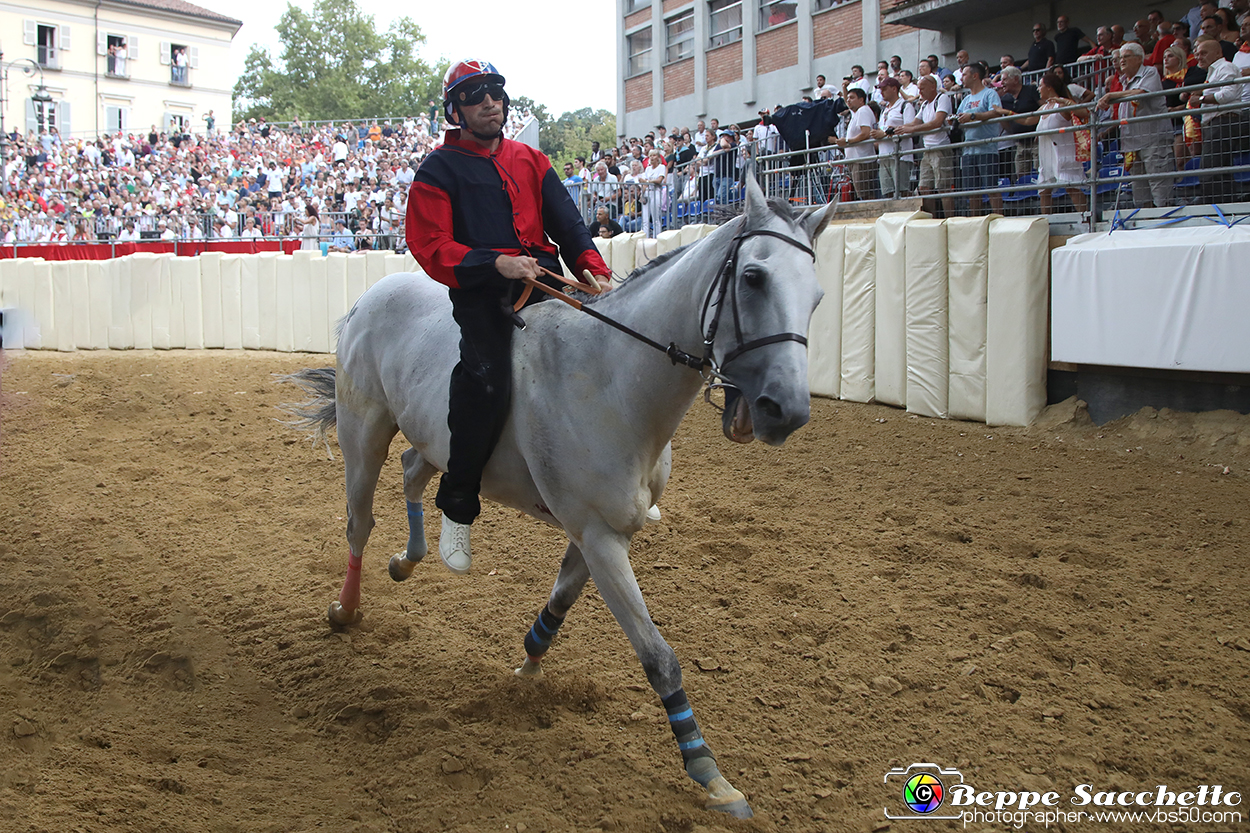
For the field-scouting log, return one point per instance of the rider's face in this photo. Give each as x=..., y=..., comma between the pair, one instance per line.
x=485, y=119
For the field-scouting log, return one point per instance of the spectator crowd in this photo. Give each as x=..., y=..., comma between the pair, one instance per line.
x=902, y=131
x=344, y=185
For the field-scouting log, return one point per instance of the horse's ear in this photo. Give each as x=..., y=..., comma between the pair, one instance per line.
x=757, y=204
x=817, y=219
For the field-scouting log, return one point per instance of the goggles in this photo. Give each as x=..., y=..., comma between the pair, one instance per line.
x=474, y=95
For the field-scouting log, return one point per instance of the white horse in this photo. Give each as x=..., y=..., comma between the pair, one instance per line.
x=587, y=443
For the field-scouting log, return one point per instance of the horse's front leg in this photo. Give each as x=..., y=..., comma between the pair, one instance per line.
x=606, y=552
x=568, y=587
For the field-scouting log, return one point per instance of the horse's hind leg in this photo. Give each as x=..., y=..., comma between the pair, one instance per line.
x=568, y=587
x=364, y=441
x=417, y=473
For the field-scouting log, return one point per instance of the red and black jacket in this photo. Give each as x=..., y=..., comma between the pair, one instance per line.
x=468, y=205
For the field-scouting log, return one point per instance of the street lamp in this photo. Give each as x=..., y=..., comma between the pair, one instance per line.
x=28, y=67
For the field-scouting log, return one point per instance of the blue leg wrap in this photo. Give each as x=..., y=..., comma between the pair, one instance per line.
x=544, y=629
x=695, y=753
x=416, y=531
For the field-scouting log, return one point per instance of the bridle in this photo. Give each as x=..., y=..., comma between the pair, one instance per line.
x=721, y=288
x=707, y=366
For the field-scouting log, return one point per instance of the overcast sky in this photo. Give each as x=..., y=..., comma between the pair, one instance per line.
x=560, y=53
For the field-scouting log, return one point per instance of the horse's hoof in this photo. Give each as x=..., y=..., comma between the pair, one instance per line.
x=399, y=566
x=341, y=617
x=723, y=798
x=529, y=670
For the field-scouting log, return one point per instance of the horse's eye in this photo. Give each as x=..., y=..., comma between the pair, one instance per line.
x=754, y=278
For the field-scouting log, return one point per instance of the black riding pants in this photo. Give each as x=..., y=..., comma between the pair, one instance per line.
x=481, y=389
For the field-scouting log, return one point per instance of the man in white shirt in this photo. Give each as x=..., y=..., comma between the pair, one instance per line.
x=894, y=161
x=858, y=145
x=128, y=233
x=936, y=171
x=1150, y=141
x=1224, y=132
x=167, y=234
x=821, y=86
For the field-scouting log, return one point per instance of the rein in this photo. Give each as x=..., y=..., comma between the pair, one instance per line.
x=719, y=288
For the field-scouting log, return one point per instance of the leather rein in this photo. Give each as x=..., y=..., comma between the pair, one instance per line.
x=706, y=364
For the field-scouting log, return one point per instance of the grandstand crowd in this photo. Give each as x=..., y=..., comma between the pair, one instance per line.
x=344, y=186
x=890, y=132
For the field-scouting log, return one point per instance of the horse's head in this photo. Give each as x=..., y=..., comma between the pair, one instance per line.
x=768, y=303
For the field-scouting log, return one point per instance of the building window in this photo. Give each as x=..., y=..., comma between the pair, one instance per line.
x=45, y=47
x=632, y=6
x=181, y=59
x=775, y=14
x=117, y=57
x=821, y=5
x=638, y=47
x=725, y=22
x=679, y=37
x=45, y=116
x=116, y=118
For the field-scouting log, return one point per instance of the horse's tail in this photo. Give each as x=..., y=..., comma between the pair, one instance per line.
x=317, y=415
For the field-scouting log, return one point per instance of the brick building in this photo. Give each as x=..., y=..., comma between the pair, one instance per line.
x=681, y=61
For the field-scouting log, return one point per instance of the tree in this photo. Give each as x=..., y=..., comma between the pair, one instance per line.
x=336, y=65
x=571, y=134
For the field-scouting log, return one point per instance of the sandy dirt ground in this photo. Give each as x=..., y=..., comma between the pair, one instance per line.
x=1039, y=608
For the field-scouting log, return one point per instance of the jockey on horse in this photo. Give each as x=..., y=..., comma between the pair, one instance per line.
x=485, y=212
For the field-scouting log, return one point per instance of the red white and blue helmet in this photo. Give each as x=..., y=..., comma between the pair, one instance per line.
x=462, y=71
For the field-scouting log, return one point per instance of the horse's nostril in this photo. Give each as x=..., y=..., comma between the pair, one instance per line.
x=768, y=407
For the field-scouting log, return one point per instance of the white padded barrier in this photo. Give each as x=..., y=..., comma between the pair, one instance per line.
x=100, y=301
x=667, y=241
x=928, y=337
x=302, y=301
x=30, y=301
x=249, y=299
x=232, y=301
x=319, y=326
x=80, y=297
x=141, y=273
x=824, y=336
x=45, y=303
x=604, y=246
x=644, y=252
x=267, y=300
x=184, y=279
x=859, y=308
x=63, y=303
x=336, y=292
x=162, y=304
x=357, y=281
x=397, y=263
x=375, y=269
x=284, y=304
x=968, y=269
x=890, y=354
x=1016, y=308
x=624, y=252
x=210, y=300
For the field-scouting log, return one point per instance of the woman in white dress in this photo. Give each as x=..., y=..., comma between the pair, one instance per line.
x=310, y=234
x=1056, y=152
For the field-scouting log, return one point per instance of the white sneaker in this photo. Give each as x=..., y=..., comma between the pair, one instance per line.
x=653, y=514
x=453, y=546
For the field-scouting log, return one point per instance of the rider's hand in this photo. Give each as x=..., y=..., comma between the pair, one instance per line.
x=603, y=282
x=517, y=268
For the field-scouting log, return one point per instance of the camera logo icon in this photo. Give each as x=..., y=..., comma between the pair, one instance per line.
x=923, y=789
